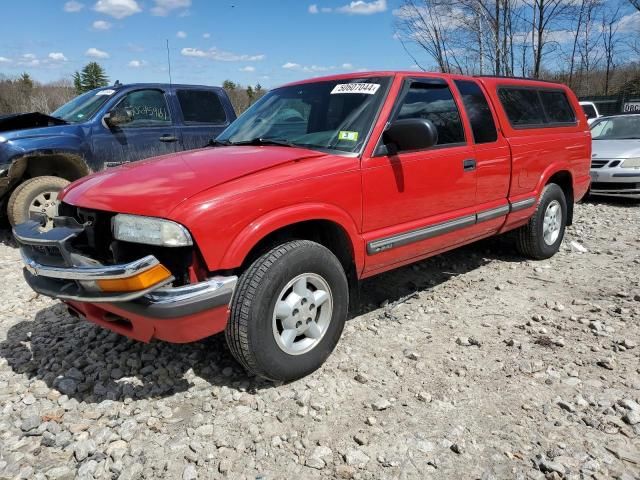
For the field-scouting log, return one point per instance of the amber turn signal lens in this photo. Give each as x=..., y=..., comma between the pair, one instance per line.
x=141, y=281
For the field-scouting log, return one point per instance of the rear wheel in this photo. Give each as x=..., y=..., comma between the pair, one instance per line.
x=542, y=236
x=288, y=311
x=37, y=195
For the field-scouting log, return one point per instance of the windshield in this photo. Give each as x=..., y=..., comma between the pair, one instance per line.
x=331, y=115
x=83, y=107
x=617, y=128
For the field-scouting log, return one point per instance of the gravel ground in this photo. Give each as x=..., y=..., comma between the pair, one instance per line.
x=474, y=364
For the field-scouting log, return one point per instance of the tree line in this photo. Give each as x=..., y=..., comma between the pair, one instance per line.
x=573, y=41
x=23, y=94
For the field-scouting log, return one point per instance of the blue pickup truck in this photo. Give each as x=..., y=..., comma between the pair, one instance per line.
x=40, y=154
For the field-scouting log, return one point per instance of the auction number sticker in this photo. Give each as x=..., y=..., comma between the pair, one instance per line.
x=367, y=88
x=106, y=92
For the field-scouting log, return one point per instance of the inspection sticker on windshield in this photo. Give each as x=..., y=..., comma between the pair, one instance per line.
x=347, y=135
x=368, y=88
x=106, y=92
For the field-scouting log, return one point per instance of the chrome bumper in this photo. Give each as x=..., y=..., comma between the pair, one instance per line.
x=87, y=273
x=74, y=277
x=158, y=301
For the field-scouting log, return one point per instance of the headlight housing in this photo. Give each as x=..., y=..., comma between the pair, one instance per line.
x=631, y=163
x=150, y=231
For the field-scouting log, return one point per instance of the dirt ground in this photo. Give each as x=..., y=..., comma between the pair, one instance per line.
x=474, y=364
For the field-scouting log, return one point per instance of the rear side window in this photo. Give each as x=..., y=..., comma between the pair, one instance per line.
x=435, y=103
x=478, y=111
x=522, y=105
x=557, y=107
x=528, y=107
x=201, y=106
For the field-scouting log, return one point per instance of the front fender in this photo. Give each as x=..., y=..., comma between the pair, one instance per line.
x=258, y=229
x=50, y=145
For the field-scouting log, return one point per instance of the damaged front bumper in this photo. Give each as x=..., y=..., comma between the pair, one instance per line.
x=158, y=310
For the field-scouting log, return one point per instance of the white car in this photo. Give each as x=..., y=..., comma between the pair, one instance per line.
x=615, y=161
x=591, y=111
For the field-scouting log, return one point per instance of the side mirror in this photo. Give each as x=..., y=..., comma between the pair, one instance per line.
x=118, y=116
x=410, y=134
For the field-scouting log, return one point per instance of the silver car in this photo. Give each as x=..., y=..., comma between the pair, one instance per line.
x=615, y=162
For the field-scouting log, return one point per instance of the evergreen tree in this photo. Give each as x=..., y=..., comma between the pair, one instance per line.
x=229, y=85
x=25, y=81
x=77, y=82
x=92, y=76
x=25, y=85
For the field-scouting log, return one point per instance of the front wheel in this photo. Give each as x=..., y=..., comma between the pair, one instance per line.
x=541, y=237
x=288, y=311
x=37, y=195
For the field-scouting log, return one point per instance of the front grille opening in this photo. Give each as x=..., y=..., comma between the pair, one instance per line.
x=97, y=242
x=598, y=163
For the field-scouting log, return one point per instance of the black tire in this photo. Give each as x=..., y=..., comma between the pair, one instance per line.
x=530, y=240
x=26, y=193
x=250, y=333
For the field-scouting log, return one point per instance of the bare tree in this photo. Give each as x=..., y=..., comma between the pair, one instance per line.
x=545, y=15
x=590, y=40
x=427, y=25
x=610, y=41
x=576, y=37
x=25, y=95
x=469, y=36
x=573, y=41
x=636, y=4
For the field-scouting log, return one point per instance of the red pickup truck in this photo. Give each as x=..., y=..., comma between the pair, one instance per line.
x=265, y=234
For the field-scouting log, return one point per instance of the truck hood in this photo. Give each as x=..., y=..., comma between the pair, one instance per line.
x=611, y=149
x=26, y=121
x=154, y=187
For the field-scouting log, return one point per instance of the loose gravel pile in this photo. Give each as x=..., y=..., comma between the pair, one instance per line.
x=474, y=364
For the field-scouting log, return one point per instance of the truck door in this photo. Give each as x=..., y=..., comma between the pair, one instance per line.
x=149, y=131
x=417, y=202
x=203, y=116
x=491, y=150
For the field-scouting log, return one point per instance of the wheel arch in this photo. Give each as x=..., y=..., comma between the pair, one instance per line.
x=564, y=180
x=324, y=224
x=68, y=165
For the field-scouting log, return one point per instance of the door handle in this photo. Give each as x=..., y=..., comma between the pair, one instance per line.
x=168, y=138
x=469, y=164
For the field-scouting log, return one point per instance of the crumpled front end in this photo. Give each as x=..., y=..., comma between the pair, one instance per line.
x=140, y=291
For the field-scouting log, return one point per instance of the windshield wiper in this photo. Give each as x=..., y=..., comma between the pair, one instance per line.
x=264, y=141
x=217, y=143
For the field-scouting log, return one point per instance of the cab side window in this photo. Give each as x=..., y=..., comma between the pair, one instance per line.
x=147, y=108
x=201, y=106
x=478, y=111
x=434, y=103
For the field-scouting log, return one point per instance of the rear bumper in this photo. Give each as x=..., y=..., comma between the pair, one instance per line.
x=177, y=314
